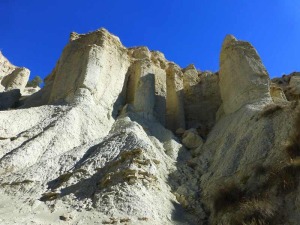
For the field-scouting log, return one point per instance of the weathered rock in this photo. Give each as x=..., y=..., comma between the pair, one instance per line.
x=12, y=77
x=103, y=154
x=5, y=66
x=243, y=78
x=88, y=62
x=27, y=91
x=140, y=53
x=191, y=139
x=147, y=88
x=175, y=107
x=77, y=148
x=141, y=86
x=290, y=84
x=241, y=153
x=277, y=94
x=16, y=80
x=12, y=83
x=201, y=98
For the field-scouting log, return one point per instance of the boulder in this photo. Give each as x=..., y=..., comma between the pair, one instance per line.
x=27, y=91
x=295, y=84
x=191, y=139
x=243, y=77
x=98, y=146
x=277, y=94
x=16, y=80
x=140, y=52
x=12, y=83
x=146, y=86
x=290, y=84
x=141, y=86
x=5, y=66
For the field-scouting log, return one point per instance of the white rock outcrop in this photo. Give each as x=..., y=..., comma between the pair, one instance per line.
x=243, y=77
x=5, y=66
x=277, y=94
x=16, y=80
x=96, y=145
x=290, y=85
x=13, y=81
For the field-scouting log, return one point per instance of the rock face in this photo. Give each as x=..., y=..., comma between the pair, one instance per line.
x=241, y=68
x=5, y=66
x=16, y=80
x=12, y=83
x=277, y=94
x=96, y=145
x=202, y=98
x=290, y=85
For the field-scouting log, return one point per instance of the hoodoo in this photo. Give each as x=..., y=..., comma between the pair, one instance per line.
x=123, y=136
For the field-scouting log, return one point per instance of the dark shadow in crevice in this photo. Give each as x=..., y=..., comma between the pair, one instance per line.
x=9, y=99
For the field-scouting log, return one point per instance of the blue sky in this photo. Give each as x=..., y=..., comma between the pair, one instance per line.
x=34, y=32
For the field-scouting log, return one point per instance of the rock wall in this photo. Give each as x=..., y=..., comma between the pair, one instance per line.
x=16, y=80
x=147, y=81
x=175, y=113
x=290, y=85
x=13, y=81
x=202, y=98
x=97, y=144
x=5, y=65
x=241, y=68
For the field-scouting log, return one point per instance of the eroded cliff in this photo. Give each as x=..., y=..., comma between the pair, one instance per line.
x=123, y=136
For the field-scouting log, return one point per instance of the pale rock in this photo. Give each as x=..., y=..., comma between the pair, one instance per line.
x=201, y=98
x=140, y=53
x=189, y=67
x=277, y=94
x=102, y=153
x=16, y=80
x=160, y=106
x=98, y=160
x=74, y=36
x=12, y=83
x=175, y=106
x=243, y=78
x=191, y=139
x=27, y=91
x=5, y=66
x=290, y=85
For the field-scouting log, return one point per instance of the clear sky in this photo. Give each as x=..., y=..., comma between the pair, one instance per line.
x=34, y=32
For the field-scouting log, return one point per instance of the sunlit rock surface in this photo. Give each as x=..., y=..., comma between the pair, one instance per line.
x=123, y=136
